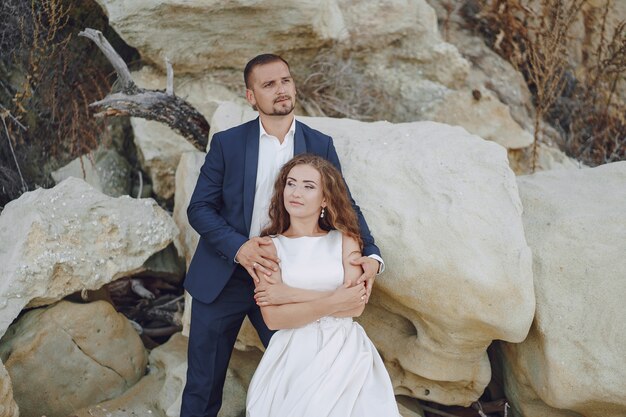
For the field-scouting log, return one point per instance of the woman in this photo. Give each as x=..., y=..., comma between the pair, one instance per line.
x=320, y=363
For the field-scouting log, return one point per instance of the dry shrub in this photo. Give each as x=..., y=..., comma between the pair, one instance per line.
x=585, y=110
x=336, y=87
x=49, y=76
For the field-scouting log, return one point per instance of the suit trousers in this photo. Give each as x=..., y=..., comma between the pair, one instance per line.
x=212, y=335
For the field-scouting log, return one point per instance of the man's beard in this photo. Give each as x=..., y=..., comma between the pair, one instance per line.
x=283, y=111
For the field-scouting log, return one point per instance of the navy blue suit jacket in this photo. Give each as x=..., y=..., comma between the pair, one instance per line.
x=221, y=205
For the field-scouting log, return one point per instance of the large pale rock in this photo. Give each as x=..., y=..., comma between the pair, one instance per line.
x=159, y=393
x=484, y=116
x=572, y=362
x=104, y=169
x=444, y=207
x=72, y=238
x=159, y=149
x=8, y=408
x=70, y=355
x=396, y=44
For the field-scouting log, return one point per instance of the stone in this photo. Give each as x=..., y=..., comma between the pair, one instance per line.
x=66, y=356
x=159, y=393
x=485, y=116
x=572, y=362
x=548, y=157
x=8, y=408
x=165, y=264
x=104, y=169
x=444, y=207
x=159, y=149
x=396, y=45
x=72, y=238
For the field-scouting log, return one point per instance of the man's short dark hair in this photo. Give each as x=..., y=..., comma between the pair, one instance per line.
x=260, y=60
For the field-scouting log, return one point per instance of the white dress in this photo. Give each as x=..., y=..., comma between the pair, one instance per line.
x=328, y=368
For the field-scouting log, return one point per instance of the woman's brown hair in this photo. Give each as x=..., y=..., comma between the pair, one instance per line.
x=339, y=214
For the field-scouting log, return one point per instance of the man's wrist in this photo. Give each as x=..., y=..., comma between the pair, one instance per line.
x=381, y=263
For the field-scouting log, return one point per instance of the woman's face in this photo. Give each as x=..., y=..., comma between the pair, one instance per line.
x=303, y=192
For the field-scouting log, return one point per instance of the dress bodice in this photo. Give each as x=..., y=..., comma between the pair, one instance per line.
x=311, y=262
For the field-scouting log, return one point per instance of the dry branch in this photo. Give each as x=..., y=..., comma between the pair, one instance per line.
x=164, y=107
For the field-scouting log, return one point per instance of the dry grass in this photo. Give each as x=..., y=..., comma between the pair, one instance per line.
x=585, y=110
x=49, y=77
x=337, y=87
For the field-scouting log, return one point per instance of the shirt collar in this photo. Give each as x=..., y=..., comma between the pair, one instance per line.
x=290, y=133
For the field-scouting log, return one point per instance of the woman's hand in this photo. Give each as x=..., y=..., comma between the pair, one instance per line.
x=272, y=294
x=349, y=297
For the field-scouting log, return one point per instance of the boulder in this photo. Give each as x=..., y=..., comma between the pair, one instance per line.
x=72, y=238
x=159, y=149
x=572, y=362
x=158, y=394
x=104, y=169
x=8, y=408
x=395, y=46
x=444, y=207
x=66, y=356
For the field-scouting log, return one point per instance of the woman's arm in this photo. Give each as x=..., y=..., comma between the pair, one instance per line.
x=267, y=294
x=346, y=301
x=348, y=297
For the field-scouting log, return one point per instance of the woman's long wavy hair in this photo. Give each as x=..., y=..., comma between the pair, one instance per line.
x=339, y=214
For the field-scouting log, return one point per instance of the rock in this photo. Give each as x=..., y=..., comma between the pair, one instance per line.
x=548, y=157
x=104, y=169
x=70, y=355
x=8, y=408
x=395, y=44
x=572, y=362
x=165, y=264
x=72, y=238
x=159, y=149
x=484, y=116
x=447, y=215
x=159, y=393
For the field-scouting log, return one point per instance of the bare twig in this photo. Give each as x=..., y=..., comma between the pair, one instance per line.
x=128, y=85
x=170, y=77
x=164, y=107
x=3, y=116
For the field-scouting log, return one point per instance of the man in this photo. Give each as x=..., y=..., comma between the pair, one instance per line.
x=228, y=208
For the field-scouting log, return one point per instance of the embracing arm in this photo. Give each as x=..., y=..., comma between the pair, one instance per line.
x=346, y=301
x=351, y=272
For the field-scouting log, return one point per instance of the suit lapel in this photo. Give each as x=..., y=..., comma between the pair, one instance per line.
x=299, y=144
x=250, y=168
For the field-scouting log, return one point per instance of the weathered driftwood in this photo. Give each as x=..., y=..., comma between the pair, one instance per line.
x=157, y=105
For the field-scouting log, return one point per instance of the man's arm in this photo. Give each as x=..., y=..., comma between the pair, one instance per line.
x=203, y=212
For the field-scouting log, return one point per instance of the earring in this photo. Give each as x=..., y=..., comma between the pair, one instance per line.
x=322, y=213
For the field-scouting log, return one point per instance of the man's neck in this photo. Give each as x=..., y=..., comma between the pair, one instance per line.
x=277, y=126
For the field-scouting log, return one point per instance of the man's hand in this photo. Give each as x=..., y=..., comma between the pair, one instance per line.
x=255, y=255
x=370, y=269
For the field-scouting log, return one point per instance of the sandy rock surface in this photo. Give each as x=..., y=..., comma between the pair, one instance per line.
x=572, y=362
x=69, y=355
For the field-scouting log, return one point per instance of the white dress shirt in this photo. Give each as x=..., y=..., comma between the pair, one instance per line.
x=272, y=156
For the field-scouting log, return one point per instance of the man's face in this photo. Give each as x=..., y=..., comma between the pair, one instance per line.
x=272, y=90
